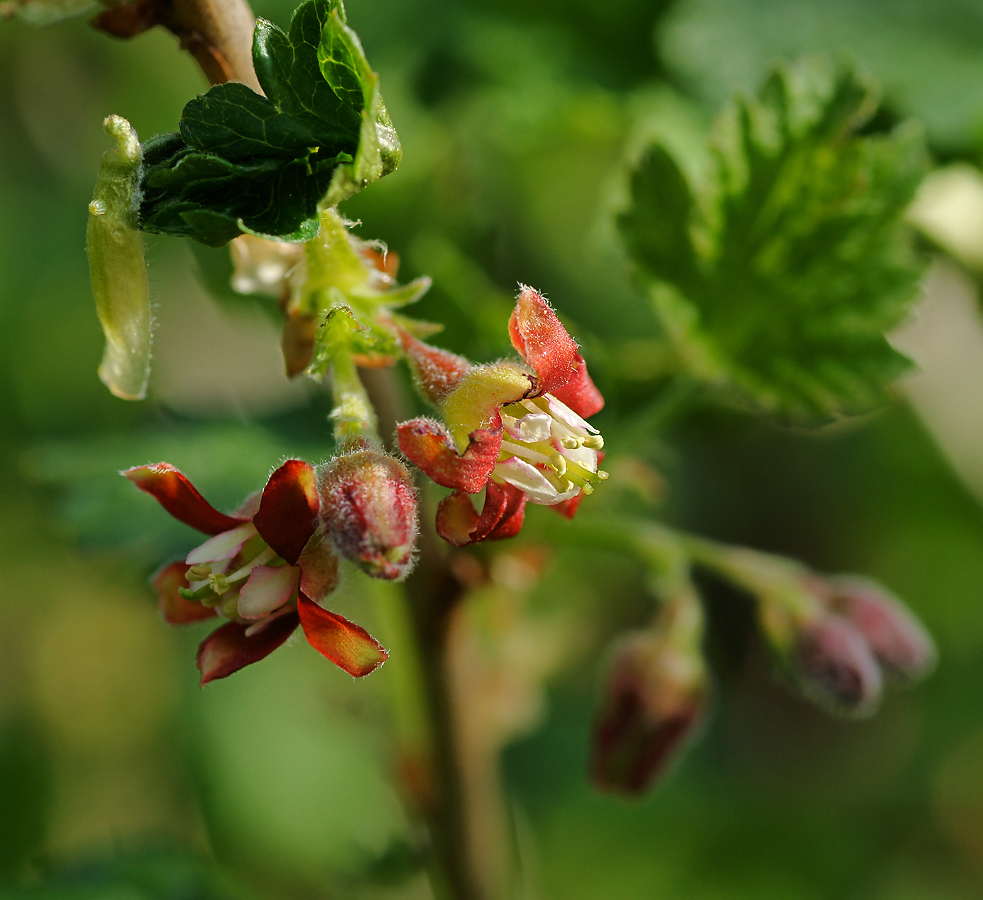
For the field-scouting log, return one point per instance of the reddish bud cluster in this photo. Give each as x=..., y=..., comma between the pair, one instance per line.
x=859, y=637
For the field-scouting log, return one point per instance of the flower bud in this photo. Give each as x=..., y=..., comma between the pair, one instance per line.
x=898, y=640
x=833, y=665
x=369, y=508
x=657, y=693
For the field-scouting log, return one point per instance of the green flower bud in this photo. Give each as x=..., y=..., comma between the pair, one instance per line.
x=117, y=267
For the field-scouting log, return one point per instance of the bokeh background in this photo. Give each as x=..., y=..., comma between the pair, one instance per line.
x=120, y=778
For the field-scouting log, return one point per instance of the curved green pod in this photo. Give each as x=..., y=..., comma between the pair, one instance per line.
x=117, y=266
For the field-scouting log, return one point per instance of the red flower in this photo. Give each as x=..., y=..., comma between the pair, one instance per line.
x=518, y=431
x=264, y=568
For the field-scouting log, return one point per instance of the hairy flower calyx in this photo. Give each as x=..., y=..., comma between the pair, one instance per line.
x=517, y=431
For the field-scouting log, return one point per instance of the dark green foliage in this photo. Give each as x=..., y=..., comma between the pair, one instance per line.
x=245, y=162
x=781, y=275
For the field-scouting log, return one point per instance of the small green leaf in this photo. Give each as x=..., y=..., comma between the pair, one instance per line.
x=244, y=162
x=781, y=275
x=117, y=266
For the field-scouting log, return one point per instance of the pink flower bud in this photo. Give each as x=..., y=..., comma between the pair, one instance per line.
x=899, y=642
x=833, y=665
x=369, y=509
x=656, y=696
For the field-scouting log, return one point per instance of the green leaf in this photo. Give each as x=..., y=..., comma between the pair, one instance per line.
x=243, y=162
x=780, y=276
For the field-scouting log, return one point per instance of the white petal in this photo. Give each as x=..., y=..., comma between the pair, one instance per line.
x=267, y=589
x=583, y=456
x=222, y=546
x=534, y=427
x=565, y=414
x=533, y=483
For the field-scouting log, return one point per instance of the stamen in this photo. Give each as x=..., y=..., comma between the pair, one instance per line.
x=199, y=572
x=526, y=453
x=263, y=557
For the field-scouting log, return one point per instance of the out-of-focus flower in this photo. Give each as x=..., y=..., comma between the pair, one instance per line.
x=264, y=568
x=657, y=693
x=368, y=506
x=838, y=638
x=834, y=666
x=900, y=643
x=519, y=432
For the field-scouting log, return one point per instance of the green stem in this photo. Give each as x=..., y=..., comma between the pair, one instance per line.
x=353, y=416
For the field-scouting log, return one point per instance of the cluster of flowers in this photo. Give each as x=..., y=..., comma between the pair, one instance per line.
x=516, y=430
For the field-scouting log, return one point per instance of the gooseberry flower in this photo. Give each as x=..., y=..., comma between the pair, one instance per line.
x=264, y=568
x=517, y=431
x=368, y=506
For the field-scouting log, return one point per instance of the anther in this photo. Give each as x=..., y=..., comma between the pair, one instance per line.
x=199, y=572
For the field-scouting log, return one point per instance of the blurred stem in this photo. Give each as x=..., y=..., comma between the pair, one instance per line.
x=667, y=403
x=666, y=551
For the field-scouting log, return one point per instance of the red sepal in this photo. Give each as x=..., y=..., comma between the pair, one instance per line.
x=579, y=393
x=429, y=446
x=568, y=508
x=347, y=645
x=502, y=515
x=180, y=498
x=175, y=609
x=436, y=371
x=227, y=649
x=542, y=341
x=287, y=515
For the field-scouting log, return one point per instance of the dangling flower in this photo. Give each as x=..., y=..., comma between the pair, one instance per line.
x=519, y=432
x=264, y=568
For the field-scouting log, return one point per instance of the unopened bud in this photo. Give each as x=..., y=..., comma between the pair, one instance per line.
x=833, y=665
x=369, y=509
x=657, y=693
x=898, y=640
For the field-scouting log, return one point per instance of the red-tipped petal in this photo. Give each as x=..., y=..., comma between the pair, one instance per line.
x=347, y=645
x=579, y=393
x=542, y=341
x=437, y=372
x=501, y=515
x=428, y=445
x=287, y=515
x=180, y=497
x=228, y=649
x=175, y=609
